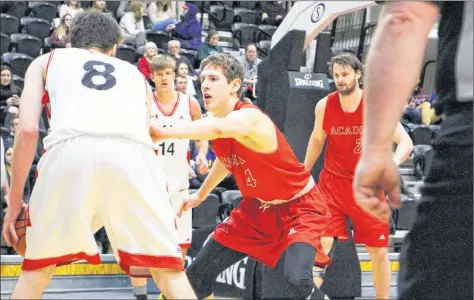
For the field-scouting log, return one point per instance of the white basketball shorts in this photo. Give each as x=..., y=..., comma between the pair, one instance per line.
x=185, y=223
x=88, y=182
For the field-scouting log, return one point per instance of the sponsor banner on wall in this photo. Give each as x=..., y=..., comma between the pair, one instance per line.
x=302, y=80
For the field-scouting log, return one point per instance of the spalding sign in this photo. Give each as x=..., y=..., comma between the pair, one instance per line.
x=308, y=80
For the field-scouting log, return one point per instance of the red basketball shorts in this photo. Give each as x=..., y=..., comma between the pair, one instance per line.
x=264, y=233
x=339, y=197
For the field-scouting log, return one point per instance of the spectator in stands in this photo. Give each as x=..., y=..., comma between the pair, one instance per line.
x=210, y=47
x=161, y=15
x=181, y=83
x=9, y=94
x=183, y=70
x=144, y=62
x=70, y=7
x=428, y=113
x=124, y=7
x=14, y=122
x=4, y=191
x=60, y=38
x=250, y=63
x=189, y=30
x=412, y=109
x=133, y=28
x=272, y=12
x=173, y=49
x=100, y=6
x=8, y=166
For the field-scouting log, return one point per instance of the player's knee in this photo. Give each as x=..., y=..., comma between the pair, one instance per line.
x=301, y=285
x=379, y=254
x=201, y=284
x=37, y=279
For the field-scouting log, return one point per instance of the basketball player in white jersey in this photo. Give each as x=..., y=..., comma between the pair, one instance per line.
x=99, y=169
x=173, y=109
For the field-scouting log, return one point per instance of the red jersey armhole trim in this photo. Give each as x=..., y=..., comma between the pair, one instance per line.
x=45, y=99
x=174, y=108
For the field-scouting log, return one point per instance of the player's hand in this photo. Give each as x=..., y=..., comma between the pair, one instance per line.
x=376, y=173
x=202, y=164
x=189, y=202
x=9, y=223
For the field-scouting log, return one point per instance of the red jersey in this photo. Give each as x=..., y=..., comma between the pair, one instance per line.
x=268, y=177
x=344, y=137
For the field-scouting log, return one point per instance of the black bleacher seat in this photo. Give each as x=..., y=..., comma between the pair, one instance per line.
x=9, y=24
x=27, y=44
x=434, y=129
x=223, y=17
x=4, y=43
x=19, y=81
x=86, y=4
x=422, y=155
x=140, y=51
x=112, y=6
x=15, y=8
x=263, y=47
x=147, y=22
x=243, y=34
x=207, y=212
x=190, y=54
x=232, y=197
x=202, y=5
x=161, y=39
x=126, y=53
x=422, y=135
x=43, y=10
x=244, y=15
x=265, y=32
x=36, y=27
x=229, y=200
x=18, y=62
x=248, y=4
x=47, y=45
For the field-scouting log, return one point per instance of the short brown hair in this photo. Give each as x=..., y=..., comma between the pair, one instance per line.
x=161, y=62
x=229, y=65
x=346, y=59
x=95, y=29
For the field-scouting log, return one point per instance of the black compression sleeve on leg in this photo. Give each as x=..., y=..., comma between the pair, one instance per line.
x=211, y=260
x=299, y=271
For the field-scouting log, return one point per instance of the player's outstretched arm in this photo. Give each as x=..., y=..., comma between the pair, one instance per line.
x=404, y=145
x=216, y=175
x=237, y=124
x=318, y=136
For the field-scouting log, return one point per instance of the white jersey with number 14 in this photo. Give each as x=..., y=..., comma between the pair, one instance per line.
x=174, y=152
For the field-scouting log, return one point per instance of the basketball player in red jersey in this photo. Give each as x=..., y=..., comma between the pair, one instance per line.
x=282, y=208
x=339, y=120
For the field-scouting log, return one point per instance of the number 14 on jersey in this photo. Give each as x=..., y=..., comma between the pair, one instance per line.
x=166, y=148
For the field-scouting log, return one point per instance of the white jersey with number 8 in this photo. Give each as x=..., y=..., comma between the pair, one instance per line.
x=174, y=152
x=83, y=86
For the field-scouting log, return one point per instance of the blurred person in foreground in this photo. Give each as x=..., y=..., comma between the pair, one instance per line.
x=436, y=257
